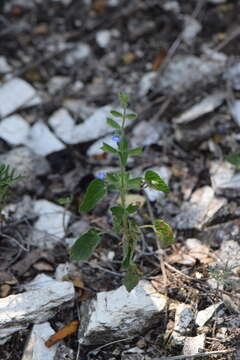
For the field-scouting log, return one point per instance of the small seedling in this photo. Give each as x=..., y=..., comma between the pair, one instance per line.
x=122, y=213
x=7, y=178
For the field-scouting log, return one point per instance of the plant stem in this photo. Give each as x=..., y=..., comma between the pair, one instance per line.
x=123, y=190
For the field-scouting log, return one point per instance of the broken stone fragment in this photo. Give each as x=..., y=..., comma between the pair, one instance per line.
x=194, y=345
x=204, y=315
x=118, y=314
x=199, y=210
x=38, y=304
x=183, y=318
x=207, y=105
x=36, y=348
x=51, y=223
x=14, y=94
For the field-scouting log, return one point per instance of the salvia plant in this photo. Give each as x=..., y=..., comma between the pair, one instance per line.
x=7, y=178
x=123, y=220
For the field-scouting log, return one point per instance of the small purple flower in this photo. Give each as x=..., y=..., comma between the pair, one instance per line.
x=101, y=175
x=116, y=138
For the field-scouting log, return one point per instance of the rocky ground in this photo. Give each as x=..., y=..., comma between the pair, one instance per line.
x=61, y=67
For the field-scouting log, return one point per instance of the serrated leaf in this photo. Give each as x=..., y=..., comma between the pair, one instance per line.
x=108, y=149
x=131, y=116
x=154, y=181
x=234, y=159
x=135, y=183
x=116, y=114
x=85, y=245
x=117, y=212
x=164, y=233
x=95, y=192
x=131, y=209
x=113, y=123
x=132, y=277
x=136, y=151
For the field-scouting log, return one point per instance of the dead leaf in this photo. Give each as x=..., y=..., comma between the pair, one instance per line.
x=100, y=5
x=4, y=290
x=159, y=59
x=128, y=58
x=62, y=333
x=78, y=283
x=43, y=266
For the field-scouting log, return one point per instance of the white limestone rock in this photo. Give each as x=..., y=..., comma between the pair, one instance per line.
x=194, y=344
x=51, y=223
x=14, y=94
x=199, y=210
x=118, y=314
x=14, y=130
x=42, y=141
x=204, y=315
x=36, y=348
x=207, y=105
x=35, y=305
x=63, y=125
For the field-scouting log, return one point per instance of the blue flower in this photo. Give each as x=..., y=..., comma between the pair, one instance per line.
x=101, y=175
x=116, y=138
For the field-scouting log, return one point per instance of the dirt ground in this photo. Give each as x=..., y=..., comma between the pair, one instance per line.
x=131, y=46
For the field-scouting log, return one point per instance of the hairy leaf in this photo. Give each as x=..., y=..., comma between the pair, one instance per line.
x=85, y=245
x=113, y=123
x=95, y=192
x=131, y=116
x=131, y=209
x=109, y=149
x=234, y=159
x=164, y=233
x=136, y=151
x=154, y=181
x=116, y=114
x=132, y=277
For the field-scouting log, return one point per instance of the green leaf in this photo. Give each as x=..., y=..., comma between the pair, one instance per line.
x=113, y=123
x=134, y=184
x=131, y=116
x=234, y=159
x=85, y=245
x=113, y=178
x=116, y=114
x=132, y=277
x=65, y=201
x=124, y=157
x=164, y=233
x=136, y=151
x=132, y=208
x=108, y=149
x=117, y=212
x=95, y=192
x=154, y=181
x=123, y=144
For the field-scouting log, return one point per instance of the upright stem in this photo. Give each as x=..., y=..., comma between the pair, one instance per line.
x=123, y=191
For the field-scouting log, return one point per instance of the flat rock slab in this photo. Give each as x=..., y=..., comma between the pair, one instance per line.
x=36, y=348
x=118, y=314
x=199, y=210
x=36, y=305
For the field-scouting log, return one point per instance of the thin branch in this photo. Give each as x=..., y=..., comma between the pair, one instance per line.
x=198, y=355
